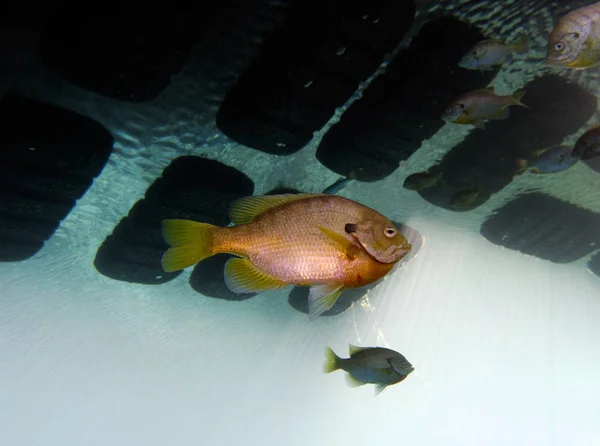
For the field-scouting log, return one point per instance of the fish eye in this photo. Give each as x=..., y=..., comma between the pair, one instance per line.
x=462, y=106
x=576, y=35
x=559, y=46
x=390, y=232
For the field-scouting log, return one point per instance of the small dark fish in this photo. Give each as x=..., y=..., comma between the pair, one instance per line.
x=370, y=365
x=588, y=144
x=464, y=197
x=548, y=160
x=340, y=184
x=422, y=180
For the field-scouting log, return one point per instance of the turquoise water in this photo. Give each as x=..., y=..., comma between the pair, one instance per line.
x=504, y=345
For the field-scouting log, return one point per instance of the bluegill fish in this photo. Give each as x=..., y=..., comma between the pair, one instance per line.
x=487, y=54
x=370, y=365
x=575, y=40
x=422, y=180
x=464, y=197
x=477, y=106
x=548, y=160
x=339, y=184
x=588, y=144
x=327, y=242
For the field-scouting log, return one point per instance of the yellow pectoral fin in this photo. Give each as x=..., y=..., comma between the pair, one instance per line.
x=463, y=119
x=345, y=245
x=241, y=276
x=539, y=152
x=587, y=58
x=246, y=209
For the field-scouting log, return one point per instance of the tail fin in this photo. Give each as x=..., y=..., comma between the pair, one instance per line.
x=521, y=45
x=522, y=165
x=190, y=242
x=517, y=96
x=332, y=361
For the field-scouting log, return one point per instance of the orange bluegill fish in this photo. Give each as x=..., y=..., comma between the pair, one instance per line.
x=575, y=40
x=477, y=106
x=324, y=241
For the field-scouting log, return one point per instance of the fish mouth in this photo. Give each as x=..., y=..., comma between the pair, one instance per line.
x=406, y=370
x=391, y=255
x=401, y=251
x=551, y=61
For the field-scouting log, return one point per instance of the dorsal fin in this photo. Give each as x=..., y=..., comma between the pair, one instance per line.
x=354, y=349
x=246, y=209
x=540, y=152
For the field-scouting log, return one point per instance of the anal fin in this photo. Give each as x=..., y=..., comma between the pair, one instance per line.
x=241, y=276
x=380, y=387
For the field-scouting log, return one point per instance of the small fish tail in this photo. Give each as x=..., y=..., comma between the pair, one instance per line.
x=521, y=165
x=190, y=242
x=521, y=45
x=332, y=361
x=517, y=96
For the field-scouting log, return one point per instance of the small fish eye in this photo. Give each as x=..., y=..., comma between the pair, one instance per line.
x=390, y=232
x=576, y=35
x=462, y=106
x=559, y=46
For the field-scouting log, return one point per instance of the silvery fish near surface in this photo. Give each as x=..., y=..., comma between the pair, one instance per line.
x=490, y=53
x=323, y=241
x=370, y=365
x=588, y=144
x=475, y=107
x=548, y=160
x=575, y=40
